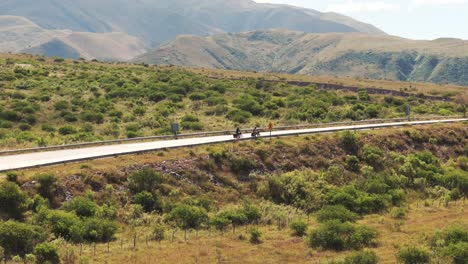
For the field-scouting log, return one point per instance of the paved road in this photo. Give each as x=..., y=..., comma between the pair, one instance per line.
x=38, y=159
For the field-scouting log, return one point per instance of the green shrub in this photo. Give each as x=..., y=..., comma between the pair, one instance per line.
x=94, y=117
x=255, y=236
x=48, y=128
x=197, y=96
x=67, y=130
x=450, y=235
x=61, y=105
x=144, y=180
x=249, y=104
x=360, y=257
x=19, y=238
x=398, y=213
x=59, y=60
x=195, y=126
x=10, y=116
x=235, y=217
x=47, y=184
x=220, y=87
x=97, y=230
x=335, y=235
x=146, y=200
x=69, y=117
x=175, y=98
x=303, y=189
x=139, y=111
x=59, y=222
x=82, y=206
x=252, y=213
x=358, y=201
x=6, y=124
x=352, y=163
x=299, y=228
x=457, y=251
x=220, y=222
x=187, y=217
x=239, y=116
x=157, y=96
x=413, y=255
x=12, y=177
x=452, y=242
x=158, y=233
x=24, y=127
x=350, y=142
x=421, y=165
x=242, y=165
x=13, y=201
x=373, y=156
x=47, y=253
x=336, y=212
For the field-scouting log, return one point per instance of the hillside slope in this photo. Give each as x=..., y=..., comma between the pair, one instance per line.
x=356, y=55
x=19, y=34
x=157, y=22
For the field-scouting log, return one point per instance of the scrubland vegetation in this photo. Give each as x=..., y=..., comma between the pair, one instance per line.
x=370, y=197
x=373, y=197
x=47, y=102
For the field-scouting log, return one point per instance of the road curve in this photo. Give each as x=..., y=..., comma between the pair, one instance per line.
x=39, y=159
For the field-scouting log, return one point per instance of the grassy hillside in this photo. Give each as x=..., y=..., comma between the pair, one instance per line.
x=393, y=192
x=344, y=55
x=52, y=101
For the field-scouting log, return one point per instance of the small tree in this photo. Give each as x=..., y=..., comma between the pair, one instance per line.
x=252, y=213
x=350, y=142
x=146, y=200
x=47, y=253
x=462, y=100
x=299, y=228
x=96, y=230
x=352, y=163
x=13, y=201
x=413, y=255
x=159, y=233
x=255, y=235
x=236, y=217
x=47, y=184
x=220, y=223
x=12, y=177
x=144, y=180
x=82, y=206
x=338, y=236
x=187, y=217
x=18, y=238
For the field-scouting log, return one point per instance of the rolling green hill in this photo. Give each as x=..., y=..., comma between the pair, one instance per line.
x=45, y=101
x=354, y=55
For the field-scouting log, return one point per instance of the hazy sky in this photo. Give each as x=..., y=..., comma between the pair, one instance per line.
x=416, y=19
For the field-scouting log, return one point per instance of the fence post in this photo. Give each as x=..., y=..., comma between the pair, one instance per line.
x=134, y=241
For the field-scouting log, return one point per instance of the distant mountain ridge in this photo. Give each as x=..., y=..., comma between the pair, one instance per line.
x=350, y=54
x=20, y=35
x=155, y=22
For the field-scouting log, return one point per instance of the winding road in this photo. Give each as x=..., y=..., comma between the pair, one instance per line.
x=46, y=158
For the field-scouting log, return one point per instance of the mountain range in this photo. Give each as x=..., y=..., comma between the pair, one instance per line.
x=228, y=34
x=21, y=35
x=341, y=54
x=40, y=25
